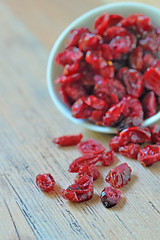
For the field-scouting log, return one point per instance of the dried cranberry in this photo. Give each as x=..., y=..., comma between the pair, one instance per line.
x=81, y=190
x=114, y=143
x=128, y=122
x=68, y=140
x=86, y=159
x=133, y=107
x=149, y=104
x=69, y=56
x=45, y=182
x=74, y=90
x=110, y=196
x=131, y=150
x=89, y=41
x=97, y=116
x=119, y=176
x=155, y=133
x=91, y=146
x=148, y=60
x=106, y=52
x=113, y=114
x=75, y=35
x=149, y=155
x=69, y=79
x=104, y=21
x=136, y=58
x=152, y=80
x=151, y=42
x=133, y=82
x=96, y=103
x=89, y=170
x=134, y=135
x=80, y=109
x=107, y=158
x=113, y=32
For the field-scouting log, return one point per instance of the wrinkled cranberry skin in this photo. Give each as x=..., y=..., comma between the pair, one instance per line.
x=68, y=140
x=86, y=159
x=91, y=146
x=128, y=122
x=134, y=135
x=45, y=182
x=149, y=104
x=110, y=196
x=149, y=155
x=155, y=133
x=133, y=82
x=96, y=103
x=119, y=176
x=113, y=114
x=131, y=150
x=89, y=170
x=152, y=80
x=114, y=143
x=133, y=107
x=81, y=190
x=136, y=59
x=80, y=109
x=75, y=36
x=69, y=56
x=107, y=158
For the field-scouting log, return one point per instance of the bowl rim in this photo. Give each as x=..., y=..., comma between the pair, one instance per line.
x=58, y=103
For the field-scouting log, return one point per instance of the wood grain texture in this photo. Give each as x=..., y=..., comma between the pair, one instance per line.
x=29, y=121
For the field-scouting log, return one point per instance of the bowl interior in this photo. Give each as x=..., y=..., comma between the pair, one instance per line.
x=87, y=20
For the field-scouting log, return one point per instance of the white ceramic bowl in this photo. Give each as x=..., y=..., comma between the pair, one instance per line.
x=87, y=20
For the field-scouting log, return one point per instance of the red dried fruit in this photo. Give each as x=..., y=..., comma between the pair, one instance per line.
x=133, y=82
x=81, y=190
x=119, y=46
x=136, y=59
x=71, y=69
x=134, y=135
x=110, y=196
x=148, y=60
x=149, y=104
x=107, y=158
x=106, y=52
x=149, y=155
x=119, y=176
x=113, y=114
x=131, y=150
x=97, y=116
x=80, y=109
x=152, y=80
x=90, y=171
x=114, y=143
x=75, y=35
x=69, y=56
x=69, y=79
x=89, y=41
x=91, y=146
x=133, y=107
x=113, y=32
x=155, y=133
x=68, y=140
x=108, y=88
x=104, y=21
x=86, y=159
x=151, y=42
x=74, y=90
x=45, y=182
x=96, y=103
x=128, y=122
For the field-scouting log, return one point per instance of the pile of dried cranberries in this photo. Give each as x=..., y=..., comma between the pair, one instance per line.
x=112, y=75
x=112, y=78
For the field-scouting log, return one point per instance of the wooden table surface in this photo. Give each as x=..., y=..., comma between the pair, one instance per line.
x=28, y=123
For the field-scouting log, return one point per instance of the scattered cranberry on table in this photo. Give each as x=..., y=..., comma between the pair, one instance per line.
x=110, y=196
x=45, y=182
